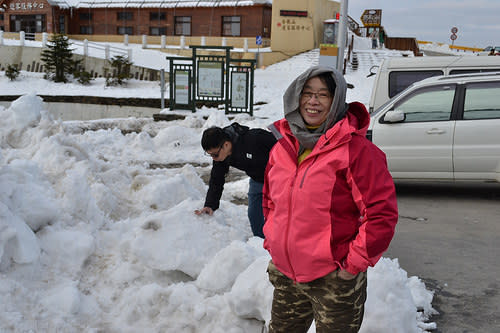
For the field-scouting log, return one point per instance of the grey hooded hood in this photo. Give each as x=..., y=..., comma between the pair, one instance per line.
x=291, y=103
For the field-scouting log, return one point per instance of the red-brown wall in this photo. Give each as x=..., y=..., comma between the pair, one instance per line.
x=255, y=20
x=26, y=7
x=205, y=21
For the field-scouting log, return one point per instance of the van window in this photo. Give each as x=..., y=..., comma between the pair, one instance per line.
x=467, y=71
x=428, y=104
x=400, y=80
x=481, y=101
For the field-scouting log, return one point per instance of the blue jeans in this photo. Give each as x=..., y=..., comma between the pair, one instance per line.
x=255, y=213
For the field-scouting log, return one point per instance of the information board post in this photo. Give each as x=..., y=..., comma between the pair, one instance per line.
x=180, y=83
x=212, y=80
x=211, y=74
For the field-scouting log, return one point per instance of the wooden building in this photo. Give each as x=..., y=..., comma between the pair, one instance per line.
x=138, y=17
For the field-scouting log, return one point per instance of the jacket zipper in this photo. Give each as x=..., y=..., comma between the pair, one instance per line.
x=288, y=226
x=302, y=183
x=307, y=169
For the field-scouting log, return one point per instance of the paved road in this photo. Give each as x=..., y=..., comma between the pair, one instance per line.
x=447, y=235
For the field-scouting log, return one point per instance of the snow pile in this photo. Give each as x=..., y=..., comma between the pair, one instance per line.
x=92, y=238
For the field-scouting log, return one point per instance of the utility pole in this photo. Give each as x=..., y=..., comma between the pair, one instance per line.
x=342, y=34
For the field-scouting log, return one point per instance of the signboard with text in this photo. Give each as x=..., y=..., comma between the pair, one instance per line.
x=210, y=78
x=297, y=13
x=372, y=17
x=31, y=5
x=239, y=89
x=182, y=84
x=292, y=25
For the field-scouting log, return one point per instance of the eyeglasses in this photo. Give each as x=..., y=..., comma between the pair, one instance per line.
x=214, y=155
x=320, y=96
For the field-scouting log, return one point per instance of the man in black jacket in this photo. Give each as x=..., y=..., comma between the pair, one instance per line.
x=245, y=149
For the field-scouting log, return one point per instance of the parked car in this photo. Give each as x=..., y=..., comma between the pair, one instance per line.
x=442, y=128
x=396, y=73
x=497, y=50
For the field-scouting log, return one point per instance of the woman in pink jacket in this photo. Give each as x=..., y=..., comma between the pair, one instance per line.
x=329, y=205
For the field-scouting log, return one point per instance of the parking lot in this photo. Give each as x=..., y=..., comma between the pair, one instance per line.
x=447, y=236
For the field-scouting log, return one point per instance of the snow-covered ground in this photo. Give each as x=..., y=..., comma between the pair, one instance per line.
x=98, y=234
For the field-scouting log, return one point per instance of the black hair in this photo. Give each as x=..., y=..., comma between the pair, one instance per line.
x=213, y=137
x=327, y=79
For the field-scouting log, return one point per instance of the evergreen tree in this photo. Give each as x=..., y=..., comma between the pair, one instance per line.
x=58, y=59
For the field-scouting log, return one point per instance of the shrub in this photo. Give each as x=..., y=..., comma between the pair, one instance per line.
x=12, y=72
x=121, y=71
x=82, y=76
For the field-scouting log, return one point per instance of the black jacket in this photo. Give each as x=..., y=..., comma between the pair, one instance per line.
x=250, y=153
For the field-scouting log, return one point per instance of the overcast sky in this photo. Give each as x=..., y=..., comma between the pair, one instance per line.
x=478, y=21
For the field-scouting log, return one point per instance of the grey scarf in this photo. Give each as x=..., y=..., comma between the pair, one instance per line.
x=291, y=100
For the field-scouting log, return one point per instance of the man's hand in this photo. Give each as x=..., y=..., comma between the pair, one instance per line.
x=204, y=210
x=345, y=275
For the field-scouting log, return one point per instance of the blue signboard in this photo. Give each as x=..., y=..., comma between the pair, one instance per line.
x=258, y=40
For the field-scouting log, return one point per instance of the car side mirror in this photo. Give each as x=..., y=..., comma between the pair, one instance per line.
x=394, y=116
x=373, y=70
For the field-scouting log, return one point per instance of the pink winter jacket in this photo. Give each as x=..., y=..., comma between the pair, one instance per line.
x=336, y=209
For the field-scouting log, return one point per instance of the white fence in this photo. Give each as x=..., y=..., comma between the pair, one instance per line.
x=96, y=49
x=110, y=51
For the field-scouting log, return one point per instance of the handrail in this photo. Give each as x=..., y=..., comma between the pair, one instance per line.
x=29, y=35
x=102, y=47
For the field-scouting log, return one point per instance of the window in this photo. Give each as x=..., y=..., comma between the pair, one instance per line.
x=428, y=104
x=157, y=31
x=155, y=16
x=124, y=16
x=1, y=17
x=86, y=30
x=467, y=71
x=183, y=25
x=125, y=30
x=482, y=101
x=399, y=81
x=85, y=16
x=28, y=23
x=40, y=23
x=231, y=25
x=62, y=24
x=1, y=28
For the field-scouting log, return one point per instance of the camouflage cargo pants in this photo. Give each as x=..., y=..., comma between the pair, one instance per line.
x=335, y=304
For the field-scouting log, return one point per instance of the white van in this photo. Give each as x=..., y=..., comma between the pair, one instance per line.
x=395, y=74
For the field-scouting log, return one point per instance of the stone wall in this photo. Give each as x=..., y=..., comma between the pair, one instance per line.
x=93, y=107
x=28, y=59
x=120, y=101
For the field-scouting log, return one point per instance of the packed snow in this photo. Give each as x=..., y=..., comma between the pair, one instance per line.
x=98, y=234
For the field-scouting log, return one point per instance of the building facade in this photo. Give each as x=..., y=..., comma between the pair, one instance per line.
x=297, y=25
x=147, y=17
x=28, y=15
x=286, y=27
